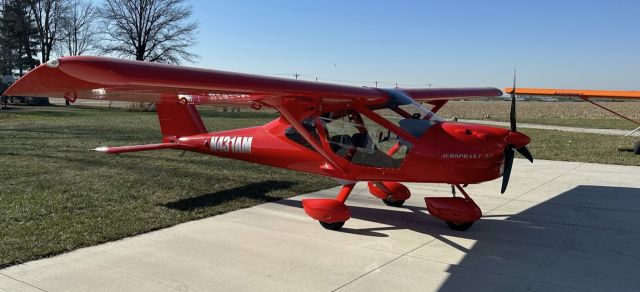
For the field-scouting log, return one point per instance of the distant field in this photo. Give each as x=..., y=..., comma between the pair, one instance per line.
x=573, y=114
x=57, y=196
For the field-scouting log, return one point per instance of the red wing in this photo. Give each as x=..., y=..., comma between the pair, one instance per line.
x=432, y=94
x=114, y=79
x=577, y=93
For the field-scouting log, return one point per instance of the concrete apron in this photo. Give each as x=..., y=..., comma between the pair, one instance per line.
x=560, y=226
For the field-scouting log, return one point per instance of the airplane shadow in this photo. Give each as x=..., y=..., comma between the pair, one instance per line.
x=583, y=239
x=395, y=219
x=255, y=191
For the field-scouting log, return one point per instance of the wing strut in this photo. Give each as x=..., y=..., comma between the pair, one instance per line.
x=615, y=113
x=303, y=132
x=610, y=110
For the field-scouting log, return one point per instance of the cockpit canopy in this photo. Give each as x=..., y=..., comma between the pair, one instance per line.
x=357, y=138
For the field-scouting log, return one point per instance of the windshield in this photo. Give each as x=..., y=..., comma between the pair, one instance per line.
x=405, y=102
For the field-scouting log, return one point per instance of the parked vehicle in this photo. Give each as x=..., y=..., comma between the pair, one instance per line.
x=7, y=80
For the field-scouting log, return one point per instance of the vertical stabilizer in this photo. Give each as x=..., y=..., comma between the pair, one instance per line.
x=179, y=118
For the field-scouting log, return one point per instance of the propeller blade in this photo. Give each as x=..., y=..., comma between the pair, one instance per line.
x=525, y=152
x=512, y=115
x=508, y=163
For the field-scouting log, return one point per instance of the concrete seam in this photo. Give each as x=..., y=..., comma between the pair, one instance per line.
x=388, y=262
x=23, y=282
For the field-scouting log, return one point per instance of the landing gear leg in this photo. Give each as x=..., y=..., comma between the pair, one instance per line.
x=331, y=213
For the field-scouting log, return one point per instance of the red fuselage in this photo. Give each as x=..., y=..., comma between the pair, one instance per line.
x=448, y=152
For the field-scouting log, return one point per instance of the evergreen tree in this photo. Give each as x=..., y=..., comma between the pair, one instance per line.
x=18, y=37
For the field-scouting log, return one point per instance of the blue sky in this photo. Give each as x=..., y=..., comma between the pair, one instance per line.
x=571, y=44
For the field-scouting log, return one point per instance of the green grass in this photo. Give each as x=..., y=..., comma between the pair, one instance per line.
x=56, y=195
x=581, y=147
x=571, y=114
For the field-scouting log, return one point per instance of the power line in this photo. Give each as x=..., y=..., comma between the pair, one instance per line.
x=376, y=83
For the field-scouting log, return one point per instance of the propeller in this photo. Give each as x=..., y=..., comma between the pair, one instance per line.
x=509, y=151
x=508, y=163
x=512, y=114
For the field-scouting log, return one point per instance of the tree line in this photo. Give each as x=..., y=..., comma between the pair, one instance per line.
x=34, y=31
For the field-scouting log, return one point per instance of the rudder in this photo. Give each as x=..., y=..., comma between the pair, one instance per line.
x=178, y=118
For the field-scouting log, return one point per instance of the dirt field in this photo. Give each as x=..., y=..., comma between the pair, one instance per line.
x=499, y=110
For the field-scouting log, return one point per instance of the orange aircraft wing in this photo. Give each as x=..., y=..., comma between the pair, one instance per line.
x=576, y=92
x=585, y=95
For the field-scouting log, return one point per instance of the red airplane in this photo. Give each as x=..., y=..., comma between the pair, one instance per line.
x=324, y=129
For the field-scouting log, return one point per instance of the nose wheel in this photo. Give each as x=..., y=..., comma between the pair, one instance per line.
x=335, y=226
x=459, y=213
x=459, y=226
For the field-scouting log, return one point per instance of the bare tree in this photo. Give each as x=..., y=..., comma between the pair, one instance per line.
x=149, y=30
x=49, y=16
x=78, y=31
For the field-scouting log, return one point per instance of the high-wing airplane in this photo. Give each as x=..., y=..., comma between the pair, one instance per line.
x=586, y=95
x=352, y=134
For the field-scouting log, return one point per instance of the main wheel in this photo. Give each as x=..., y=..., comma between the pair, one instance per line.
x=636, y=147
x=391, y=203
x=459, y=226
x=332, y=226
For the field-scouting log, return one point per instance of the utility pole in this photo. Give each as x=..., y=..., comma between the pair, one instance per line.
x=296, y=75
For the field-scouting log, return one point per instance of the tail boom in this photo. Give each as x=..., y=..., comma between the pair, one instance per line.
x=145, y=147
